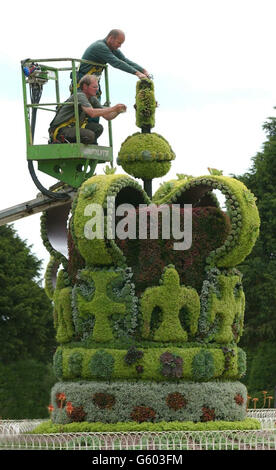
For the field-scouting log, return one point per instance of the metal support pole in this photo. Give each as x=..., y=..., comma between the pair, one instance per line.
x=148, y=187
x=76, y=108
x=108, y=104
x=57, y=87
x=26, y=110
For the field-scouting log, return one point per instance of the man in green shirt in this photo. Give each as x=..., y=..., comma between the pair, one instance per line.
x=106, y=51
x=63, y=126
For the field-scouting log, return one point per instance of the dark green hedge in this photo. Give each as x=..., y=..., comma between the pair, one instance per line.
x=24, y=389
x=262, y=374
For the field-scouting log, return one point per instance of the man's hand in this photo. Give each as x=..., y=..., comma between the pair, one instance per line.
x=120, y=108
x=106, y=113
x=141, y=75
x=114, y=111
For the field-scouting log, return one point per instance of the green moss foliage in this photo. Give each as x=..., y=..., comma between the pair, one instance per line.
x=101, y=365
x=170, y=297
x=121, y=188
x=75, y=364
x=241, y=362
x=94, y=250
x=147, y=170
x=145, y=104
x=50, y=275
x=241, y=208
x=146, y=156
x=203, y=366
x=104, y=304
x=75, y=260
x=222, y=307
x=63, y=310
x=162, y=426
x=145, y=148
x=168, y=187
x=57, y=364
x=149, y=366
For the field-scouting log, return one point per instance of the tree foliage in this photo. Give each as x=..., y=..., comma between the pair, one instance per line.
x=261, y=180
x=26, y=326
x=25, y=389
x=263, y=369
x=259, y=268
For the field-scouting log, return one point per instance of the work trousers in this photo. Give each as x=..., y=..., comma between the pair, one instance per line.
x=88, y=134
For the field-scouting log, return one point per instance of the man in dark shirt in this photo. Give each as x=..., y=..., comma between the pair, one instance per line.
x=63, y=126
x=106, y=51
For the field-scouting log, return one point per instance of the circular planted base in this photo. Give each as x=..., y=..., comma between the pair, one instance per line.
x=140, y=402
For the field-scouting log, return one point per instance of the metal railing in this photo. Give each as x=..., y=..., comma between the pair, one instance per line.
x=194, y=440
x=55, y=71
x=14, y=435
x=266, y=416
x=12, y=427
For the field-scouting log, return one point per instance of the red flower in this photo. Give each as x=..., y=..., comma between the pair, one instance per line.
x=78, y=414
x=239, y=399
x=69, y=407
x=61, y=396
x=50, y=408
x=104, y=400
x=60, y=399
x=143, y=413
x=176, y=401
x=208, y=414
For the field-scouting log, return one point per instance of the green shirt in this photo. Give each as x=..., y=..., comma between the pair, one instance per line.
x=100, y=53
x=66, y=112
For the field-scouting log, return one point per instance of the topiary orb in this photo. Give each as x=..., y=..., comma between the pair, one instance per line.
x=146, y=156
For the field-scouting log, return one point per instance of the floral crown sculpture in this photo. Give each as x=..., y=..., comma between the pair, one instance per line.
x=148, y=333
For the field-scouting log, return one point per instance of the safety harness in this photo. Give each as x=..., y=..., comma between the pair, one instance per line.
x=95, y=70
x=68, y=123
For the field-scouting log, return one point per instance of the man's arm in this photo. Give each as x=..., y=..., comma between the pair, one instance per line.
x=139, y=70
x=116, y=59
x=107, y=113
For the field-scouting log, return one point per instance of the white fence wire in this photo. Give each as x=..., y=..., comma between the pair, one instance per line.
x=267, y=417
x=195, y=440
x=14, y=435
x=11, y=427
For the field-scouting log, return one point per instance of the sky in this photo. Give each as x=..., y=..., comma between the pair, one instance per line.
x=214, y=69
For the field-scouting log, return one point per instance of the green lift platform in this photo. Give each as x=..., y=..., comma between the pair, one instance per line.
x=69, y=163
